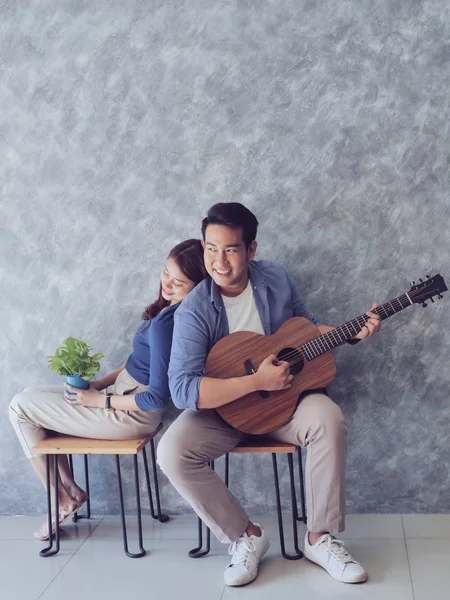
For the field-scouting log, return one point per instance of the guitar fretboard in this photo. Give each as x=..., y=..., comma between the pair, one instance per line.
x=334, y=338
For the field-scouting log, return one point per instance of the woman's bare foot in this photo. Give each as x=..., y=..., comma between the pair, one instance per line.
x=76, y=493
x=65, y=512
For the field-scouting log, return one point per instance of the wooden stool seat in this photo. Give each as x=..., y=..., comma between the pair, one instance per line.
x=264, y=445
x=69, y=444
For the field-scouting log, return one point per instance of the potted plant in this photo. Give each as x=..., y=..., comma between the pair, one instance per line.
x=72, y=359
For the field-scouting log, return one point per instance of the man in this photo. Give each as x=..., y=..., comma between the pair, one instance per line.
x=258, y=296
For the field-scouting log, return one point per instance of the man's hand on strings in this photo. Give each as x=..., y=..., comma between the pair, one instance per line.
x=371, y=327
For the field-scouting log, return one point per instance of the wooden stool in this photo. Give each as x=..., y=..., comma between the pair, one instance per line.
x=260, y=445
x=65, y=444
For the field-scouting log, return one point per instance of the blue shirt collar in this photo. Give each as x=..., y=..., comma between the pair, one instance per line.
x=256, y=280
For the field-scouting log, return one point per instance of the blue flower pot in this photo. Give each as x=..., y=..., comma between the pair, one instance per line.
x=77, y=381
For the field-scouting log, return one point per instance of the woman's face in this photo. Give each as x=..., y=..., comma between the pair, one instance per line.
x=175, y=285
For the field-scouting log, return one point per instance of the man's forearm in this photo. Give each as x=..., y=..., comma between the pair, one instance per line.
x=217, y=392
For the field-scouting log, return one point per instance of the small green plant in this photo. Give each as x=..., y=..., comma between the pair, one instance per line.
x=72, y=358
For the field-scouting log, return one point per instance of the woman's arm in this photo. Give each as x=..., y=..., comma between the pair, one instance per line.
x=160, y=343
x=107, y=380
x=157, y=395
x=95, y=399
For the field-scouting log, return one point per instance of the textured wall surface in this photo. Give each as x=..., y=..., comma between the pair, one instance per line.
x=122, y=122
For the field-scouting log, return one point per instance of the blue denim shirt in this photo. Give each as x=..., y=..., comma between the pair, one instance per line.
x=201, y=321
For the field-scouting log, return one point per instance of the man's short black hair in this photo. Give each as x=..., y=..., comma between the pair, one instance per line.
x=235, y=216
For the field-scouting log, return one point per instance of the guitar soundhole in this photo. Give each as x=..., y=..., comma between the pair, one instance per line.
x=294, y=357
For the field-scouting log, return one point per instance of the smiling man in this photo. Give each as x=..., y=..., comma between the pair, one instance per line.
x=258, y=296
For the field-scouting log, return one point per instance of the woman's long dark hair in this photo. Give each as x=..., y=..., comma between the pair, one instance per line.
x=189, y=257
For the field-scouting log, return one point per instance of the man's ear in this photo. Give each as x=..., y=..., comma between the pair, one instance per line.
x=252, y=250
x=203, y=244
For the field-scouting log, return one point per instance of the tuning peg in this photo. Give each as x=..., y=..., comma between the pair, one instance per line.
x=424, y=304
x=432, y=300
x=440, y=296
x=413, y=283
x=428, y=276
x=421, y=280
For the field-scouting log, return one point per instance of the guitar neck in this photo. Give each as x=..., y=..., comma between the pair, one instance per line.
x=339, y=335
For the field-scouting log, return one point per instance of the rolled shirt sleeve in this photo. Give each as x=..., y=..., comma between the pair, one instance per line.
x=190, y=347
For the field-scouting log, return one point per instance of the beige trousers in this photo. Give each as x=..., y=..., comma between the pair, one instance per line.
x=37, y=410
x=198, y=437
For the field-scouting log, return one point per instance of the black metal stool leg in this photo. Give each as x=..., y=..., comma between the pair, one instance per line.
x=198, y=552
x=122, y=510
x=149, y=487
x=138, y=506
x=76, y=516
x=298, y=552
x=227, y=469
x=162, y=518
x=46, y=552
x=88, y=491
x=280, y=516
x=302, y=487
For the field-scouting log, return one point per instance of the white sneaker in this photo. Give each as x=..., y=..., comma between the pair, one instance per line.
x=246, y=552
x=329, y=553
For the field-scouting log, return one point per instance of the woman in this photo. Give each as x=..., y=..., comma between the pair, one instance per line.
x=136, y=393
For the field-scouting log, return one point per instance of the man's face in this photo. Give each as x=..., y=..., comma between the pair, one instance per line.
x=226, y=258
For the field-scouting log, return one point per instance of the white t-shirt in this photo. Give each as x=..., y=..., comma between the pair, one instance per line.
x=242, y=313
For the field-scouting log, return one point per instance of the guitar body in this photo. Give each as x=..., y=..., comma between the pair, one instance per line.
x=242, y=353
x=256, y=414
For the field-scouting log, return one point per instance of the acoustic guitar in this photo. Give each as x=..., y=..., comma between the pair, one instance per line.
x=299, y=342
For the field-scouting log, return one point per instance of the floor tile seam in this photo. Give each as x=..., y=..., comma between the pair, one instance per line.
x=69, y=560
x=223, y=592
x=407, y=559
x=431, y=537
x=57, y=574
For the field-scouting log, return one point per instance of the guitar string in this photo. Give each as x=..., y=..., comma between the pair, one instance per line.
x=303, y=352
x=316, y=341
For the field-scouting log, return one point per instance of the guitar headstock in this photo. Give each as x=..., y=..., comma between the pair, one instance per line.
x=427, y=290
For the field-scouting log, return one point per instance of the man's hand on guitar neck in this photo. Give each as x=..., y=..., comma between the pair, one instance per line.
x=371, y=327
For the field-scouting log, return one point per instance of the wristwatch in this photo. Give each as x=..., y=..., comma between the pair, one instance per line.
x=108, y=402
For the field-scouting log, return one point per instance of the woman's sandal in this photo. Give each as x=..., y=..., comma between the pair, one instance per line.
x=42, y=533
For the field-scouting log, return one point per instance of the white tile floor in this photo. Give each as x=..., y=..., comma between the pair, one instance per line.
x=407, y=558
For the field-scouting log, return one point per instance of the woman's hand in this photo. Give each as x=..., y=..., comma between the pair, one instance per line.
x=90, y=397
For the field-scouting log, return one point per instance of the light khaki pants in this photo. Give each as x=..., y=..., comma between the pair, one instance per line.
x=37, y=410
x=198, y=437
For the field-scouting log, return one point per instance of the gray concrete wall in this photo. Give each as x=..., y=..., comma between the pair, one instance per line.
x=122, y=122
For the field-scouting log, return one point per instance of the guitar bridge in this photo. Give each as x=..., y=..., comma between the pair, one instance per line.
x=250, y=370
